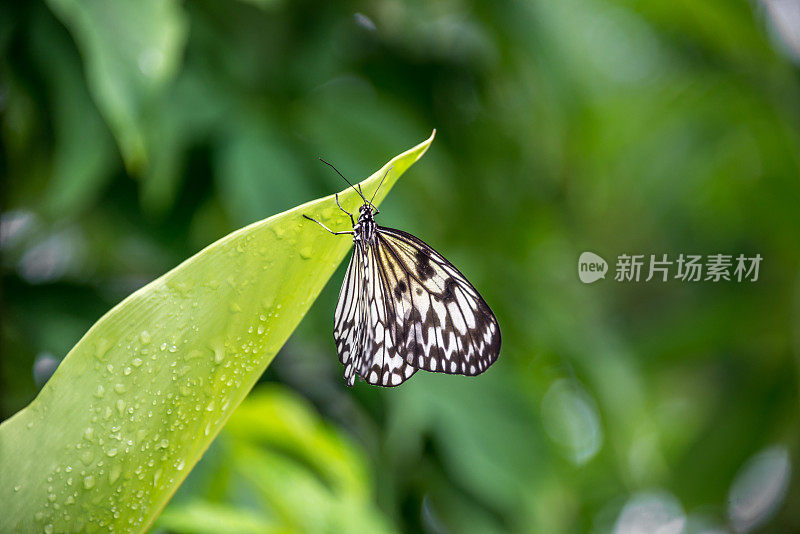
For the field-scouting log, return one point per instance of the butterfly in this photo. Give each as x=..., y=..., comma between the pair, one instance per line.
x=404, y=307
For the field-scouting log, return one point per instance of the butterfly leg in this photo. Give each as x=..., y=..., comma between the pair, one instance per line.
x=344, y=210
x=325, y=227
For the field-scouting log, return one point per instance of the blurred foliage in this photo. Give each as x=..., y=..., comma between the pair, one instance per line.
x=134, y=133
x=288, y=470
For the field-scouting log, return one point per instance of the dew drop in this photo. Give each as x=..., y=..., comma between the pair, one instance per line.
x=144, y=337
x=111, y=452
x=102, y=348
x=114, y=472
x=119, y=388
x=136, y=362
x=193, y=354
x=88, y=482
x=305, y=253
x=100, y=391
x=87, y=457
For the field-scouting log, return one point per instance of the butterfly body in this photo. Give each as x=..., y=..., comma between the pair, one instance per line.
x=364, y=229
x=404, y=307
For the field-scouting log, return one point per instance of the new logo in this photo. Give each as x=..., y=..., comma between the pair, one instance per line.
x=591, y=267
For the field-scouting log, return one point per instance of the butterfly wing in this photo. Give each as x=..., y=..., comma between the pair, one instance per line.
x=381, y=363
x=348, y=319
x=440, y=322
x=361, y=325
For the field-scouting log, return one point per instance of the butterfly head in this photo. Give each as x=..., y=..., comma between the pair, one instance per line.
x=366, y=212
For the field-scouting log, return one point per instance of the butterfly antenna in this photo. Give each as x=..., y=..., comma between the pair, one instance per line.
x=379, y=185
x=345, y=179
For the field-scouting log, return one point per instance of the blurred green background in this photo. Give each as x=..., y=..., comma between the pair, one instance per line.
x=136, y=132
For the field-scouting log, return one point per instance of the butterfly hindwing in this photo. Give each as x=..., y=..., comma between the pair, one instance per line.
x=441, y=323
x=361, y=325
x=348, y=319
x=382, y=363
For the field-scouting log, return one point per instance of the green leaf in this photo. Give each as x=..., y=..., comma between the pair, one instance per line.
x=131, y=50
x=275, y=457
x=138, y=400
x=200, y=517
x=283, y=450
x=82, y=164
x=276, y=418
x=186, y=115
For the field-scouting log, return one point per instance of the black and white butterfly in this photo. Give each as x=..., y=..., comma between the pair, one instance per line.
x=403, y=307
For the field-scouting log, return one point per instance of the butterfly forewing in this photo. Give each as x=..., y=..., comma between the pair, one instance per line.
x=441, y=322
